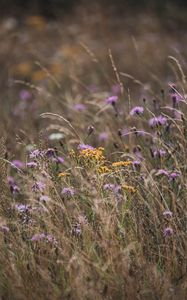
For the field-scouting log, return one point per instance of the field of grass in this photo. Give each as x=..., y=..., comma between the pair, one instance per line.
x=93, y=151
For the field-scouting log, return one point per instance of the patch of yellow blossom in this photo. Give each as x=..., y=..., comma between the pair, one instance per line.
x=103, y=170
x=129, y=188
x=122, y=163
x=94, y=155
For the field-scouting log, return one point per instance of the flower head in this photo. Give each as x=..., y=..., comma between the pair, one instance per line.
x=168, y=231
x=18, y=164
x=167, y=213
x=68, y=191
x=84, y=147
x=112, y=100
x=38, y=186
x=137, y=110
x=79, y=107
x=158, y=121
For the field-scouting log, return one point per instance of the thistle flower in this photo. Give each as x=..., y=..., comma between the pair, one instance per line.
x=137, y=110
x=103, y=136
x=84, y=147
x=50, y=152
x=38, y=186
x=159, y=153
x=158, y=121
x=168, y=231
x=32, y=164
x=79, y=107
x=36, y=153
x=38, y=237
x=17, y=164
x=167, y=213
x=162, y=172
x=112, y=100
x=22, y=208
x=44, y=198
x=68, y=191
x=174, y=175
x=112, y=187
x=25, y=95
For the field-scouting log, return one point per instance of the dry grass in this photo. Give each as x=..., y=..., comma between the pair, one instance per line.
x=87, y=228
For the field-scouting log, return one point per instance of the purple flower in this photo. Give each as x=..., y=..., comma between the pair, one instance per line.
x=103, y=136
x=162, y=172
x=167, y=213
x=36, y=154
x=17, y=164
x=68, y=191
x=158, y=121
x=38, y=186
x=112, y=187
x=79, y=107
x=159, y=153
x=60, y=160
x=23, y=207
x=50, y=152
x=84, y=147
x=38, y=237
x=112, y=100
x=116, y=89
x=137, y=110
x=11, y=180
x=14, y=189
x=32, y=164
x=168, y=231
x=25, y=95
x=44, y=198
x=174, y=175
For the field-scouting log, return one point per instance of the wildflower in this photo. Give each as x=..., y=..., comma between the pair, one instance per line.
x=162, y=172
x=60, y=160
x=22, y=208
x=174, y=175
x=38, y=186
x=103, y=169
x=38, y=237
x=79, y=107
x=168, y=231
x=158, y=121
x=14, y=189
x=32, y=164
x=36, y=154
x=25, y=95
x=44, y=198
x=116, y=89
x=68, y=191
x=84, y=147
x=112, y=187
x=137, y=110
x=112, y=100
x=103, y=136
x=129, y=188
x=93, y=155
x=167, y=213
x=122, y=163
x=50, y=152
x=159, y=153
x=136, y=165
x=17, y=164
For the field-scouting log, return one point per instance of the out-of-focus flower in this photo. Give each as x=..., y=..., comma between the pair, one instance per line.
x=129, y=188
x=50, y=152
x=116, y=89
x=38, y=237
x=79, y=107
x=158, y=121
x=68, y=191
x=32, y=164
x=44, y=198
x=112, y=187
x=137, y=110
x=103, y=136
x=112, y=100
x=159, y=153
x=18, y=164
x=162, y=172
x=122, y=163
x=25, y=95
x=22, y=208
x=84, y=147
x=14, y=189
x=167, y=213
x=36, y=154
x=168, y=231
x=174, y=175
x=38, y=186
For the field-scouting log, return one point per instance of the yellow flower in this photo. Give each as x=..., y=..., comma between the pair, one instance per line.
x=121, y=163
x=103, y=170
x=95, y=155
x=129, y=188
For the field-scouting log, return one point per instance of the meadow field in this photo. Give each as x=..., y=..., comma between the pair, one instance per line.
x=93, y=152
